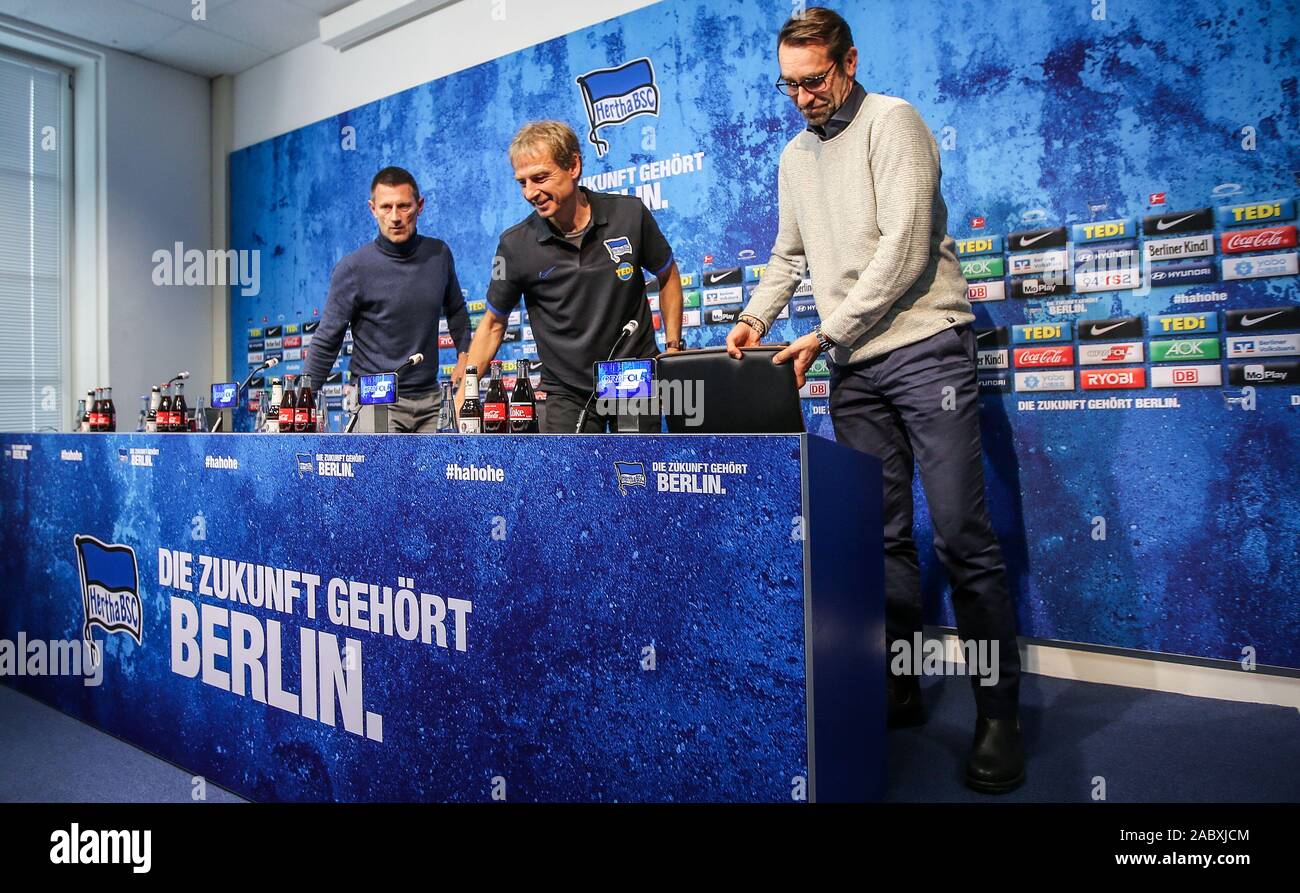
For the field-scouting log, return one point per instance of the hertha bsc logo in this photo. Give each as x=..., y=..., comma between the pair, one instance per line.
x=110, y=597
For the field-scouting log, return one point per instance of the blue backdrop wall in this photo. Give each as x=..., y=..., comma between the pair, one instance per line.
x=1134, y=512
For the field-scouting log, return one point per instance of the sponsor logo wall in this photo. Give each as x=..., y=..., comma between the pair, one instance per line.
x=1168, y=229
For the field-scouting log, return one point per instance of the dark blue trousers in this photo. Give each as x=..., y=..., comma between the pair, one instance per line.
x=918, y=407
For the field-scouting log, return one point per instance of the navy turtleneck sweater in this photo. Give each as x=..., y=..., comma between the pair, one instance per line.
x=392, y=294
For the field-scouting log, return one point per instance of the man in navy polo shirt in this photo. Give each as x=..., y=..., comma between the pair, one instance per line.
x=577, y=264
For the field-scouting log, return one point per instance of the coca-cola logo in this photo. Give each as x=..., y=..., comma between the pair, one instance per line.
x=1259, y=239
x=1045, y=356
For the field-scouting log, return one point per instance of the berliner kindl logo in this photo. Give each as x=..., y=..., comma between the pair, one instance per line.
x=615, y=95
x=110, y=596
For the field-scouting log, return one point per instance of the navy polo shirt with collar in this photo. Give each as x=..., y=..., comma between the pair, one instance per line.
x=579, y=298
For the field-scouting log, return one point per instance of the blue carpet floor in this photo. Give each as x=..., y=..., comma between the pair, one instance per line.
x=1147, y=746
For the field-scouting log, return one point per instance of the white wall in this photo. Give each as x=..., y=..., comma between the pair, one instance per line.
x=142, y=182
x=158, y=163
x=314, y=81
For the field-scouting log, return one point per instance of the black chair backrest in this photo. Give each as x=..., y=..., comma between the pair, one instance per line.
x=749, y=396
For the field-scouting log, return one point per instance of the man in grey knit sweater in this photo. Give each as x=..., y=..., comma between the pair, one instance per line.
x=860, y=207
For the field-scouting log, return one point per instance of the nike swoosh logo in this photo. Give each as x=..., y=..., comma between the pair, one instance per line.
x=714, y=280
x=1246, y=321
x=1038, y=238
x=1102, y=330
x=1163, y=225
x=545, y=273
x=982, y=335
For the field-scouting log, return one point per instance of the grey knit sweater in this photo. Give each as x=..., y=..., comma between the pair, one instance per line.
x=864, y=210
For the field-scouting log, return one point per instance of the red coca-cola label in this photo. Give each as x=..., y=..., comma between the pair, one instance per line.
x=96, y=419
x=1045, y=356
x=521, y=412
x=494, y=412
x=286, y=416
x=1259, y=239
x=301, y=417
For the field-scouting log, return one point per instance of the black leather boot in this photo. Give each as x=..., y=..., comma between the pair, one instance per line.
x=997, y=758
x=903, y=697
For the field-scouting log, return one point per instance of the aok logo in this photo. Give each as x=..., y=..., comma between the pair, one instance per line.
x=1185, y=349
x=983, y=268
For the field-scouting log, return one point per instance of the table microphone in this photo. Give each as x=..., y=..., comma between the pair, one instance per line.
x=414, y=359
x=628, y=331
x=274, y=361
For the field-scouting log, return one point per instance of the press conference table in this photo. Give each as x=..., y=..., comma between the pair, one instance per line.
x=447, y=618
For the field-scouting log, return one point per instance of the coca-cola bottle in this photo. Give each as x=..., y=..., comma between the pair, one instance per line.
x=304, y=414
x=288, y=405
x=180, y=415
x=97, y=411
x=151, y=420
x=109, y=411
x=496, y=417
x=523, y=405
x=165, y=410
x=471, y=411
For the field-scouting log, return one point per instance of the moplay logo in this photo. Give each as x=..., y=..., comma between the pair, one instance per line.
x=1112, y=379
x=1264, y=373
x=1184, y=349
x=1039, y=286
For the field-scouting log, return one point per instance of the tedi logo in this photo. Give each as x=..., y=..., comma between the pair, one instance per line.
x=615, y=95
x=77, y=847
x=110, y=596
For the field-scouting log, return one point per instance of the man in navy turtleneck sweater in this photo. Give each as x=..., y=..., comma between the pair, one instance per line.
x=393, y=291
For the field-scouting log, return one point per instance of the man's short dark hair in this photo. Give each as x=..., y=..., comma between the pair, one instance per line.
x=395, y=176
x=819, y=25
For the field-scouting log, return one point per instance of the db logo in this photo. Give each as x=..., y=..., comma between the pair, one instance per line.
x=815, y=389
x=1186, y=376
x=978, y=292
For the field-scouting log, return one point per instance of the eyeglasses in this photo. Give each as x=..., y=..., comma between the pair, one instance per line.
x=814, y=84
